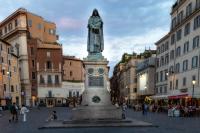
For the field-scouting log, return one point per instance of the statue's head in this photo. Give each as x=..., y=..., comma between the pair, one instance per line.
x=95, y=13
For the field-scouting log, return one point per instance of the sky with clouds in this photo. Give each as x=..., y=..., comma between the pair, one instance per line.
x=129, y=25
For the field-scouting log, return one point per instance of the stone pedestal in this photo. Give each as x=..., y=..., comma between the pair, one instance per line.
x=96, y=102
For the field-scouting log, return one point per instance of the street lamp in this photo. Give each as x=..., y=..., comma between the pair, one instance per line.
x=8, y=74
x=193, y=83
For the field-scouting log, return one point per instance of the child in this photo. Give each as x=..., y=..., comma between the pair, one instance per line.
x=52, y=116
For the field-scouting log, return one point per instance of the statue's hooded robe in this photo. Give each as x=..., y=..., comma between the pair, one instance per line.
x=95, y=33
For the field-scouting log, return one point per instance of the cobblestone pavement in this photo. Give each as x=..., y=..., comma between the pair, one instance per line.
x=36, y=118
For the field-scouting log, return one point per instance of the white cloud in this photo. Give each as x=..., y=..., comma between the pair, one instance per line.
x=114, y=46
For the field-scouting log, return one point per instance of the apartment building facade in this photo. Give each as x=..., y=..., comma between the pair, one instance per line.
x=49, y=75
x=10, y=87
x=183, y=40
x=146, y=78
x=73, y=76
x=18, y=29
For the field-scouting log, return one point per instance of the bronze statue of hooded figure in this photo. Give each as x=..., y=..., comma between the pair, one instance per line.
x=95, y=42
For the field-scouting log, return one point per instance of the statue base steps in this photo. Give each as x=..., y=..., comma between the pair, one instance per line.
x=97, y=113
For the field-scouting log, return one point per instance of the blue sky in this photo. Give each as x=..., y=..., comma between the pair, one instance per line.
x=129, y=25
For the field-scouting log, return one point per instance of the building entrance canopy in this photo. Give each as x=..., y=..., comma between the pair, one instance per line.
x=178, y=96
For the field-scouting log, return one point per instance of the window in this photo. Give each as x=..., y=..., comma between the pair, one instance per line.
x=185, y=65
x=165, y=89
x=171, y=54
x=166, y=46
x=167, y=58
x=171, y=70
x=177, y=68
x=178, y=35
x=33, y=63
x=30, y=23
x=32, y=51
x=39, y=26
x=135, y=90
x=157, y=62
x=54, y=32
x=156, y=90
x=170, y=86
x=184, y=81
x=197, y=4
x=173, y=23
x=189, y=9
x=157, y=77
x=193, y=77
x=158, y=50
x=195, y=42
x=162, y=48
x=196, y=22
x=70, y=94
x=187, y=29
x=50, y=93
x=10, y=26
x=2, y=60
x=5, y=29
x=49, y=79
x=4, y=86
x=178, y=51
x=180, y=17
x=77, y=94
x=56, y=79
x=48, y=54
x=172, y=39
x=70, y=63
x=41, y=79
x=161, y=90
x=177, y=84
x=15, y=69
x=162, y=60
x=3, y=71
x=71, y=73
x=166, y=71
x=161, y=76
x=12, y=88
x=186, y=47
x=33, y=75
x=51, y=31
x=1, y=32
x=194, y=61
x=16, y=22
x=49, y=65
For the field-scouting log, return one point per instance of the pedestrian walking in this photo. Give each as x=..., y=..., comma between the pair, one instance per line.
x=143, y=111
x=24, y=112
x=124, y=107
x=14, y=113
x=145, y=108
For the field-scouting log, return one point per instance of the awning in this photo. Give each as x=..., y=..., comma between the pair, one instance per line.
x=178, y=96
x=159, y=97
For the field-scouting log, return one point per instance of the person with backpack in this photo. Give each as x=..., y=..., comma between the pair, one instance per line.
x=14, y=112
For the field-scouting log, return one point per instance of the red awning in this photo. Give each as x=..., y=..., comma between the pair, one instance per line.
x=178, y=96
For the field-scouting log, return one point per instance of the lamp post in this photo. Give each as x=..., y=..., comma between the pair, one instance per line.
x=9, y=93
x=193, y=83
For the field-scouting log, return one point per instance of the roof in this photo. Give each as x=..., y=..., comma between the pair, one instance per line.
x=71, y=58
x=18, y=11
x=1, y=40
x=162, y=39
x=49, y=46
